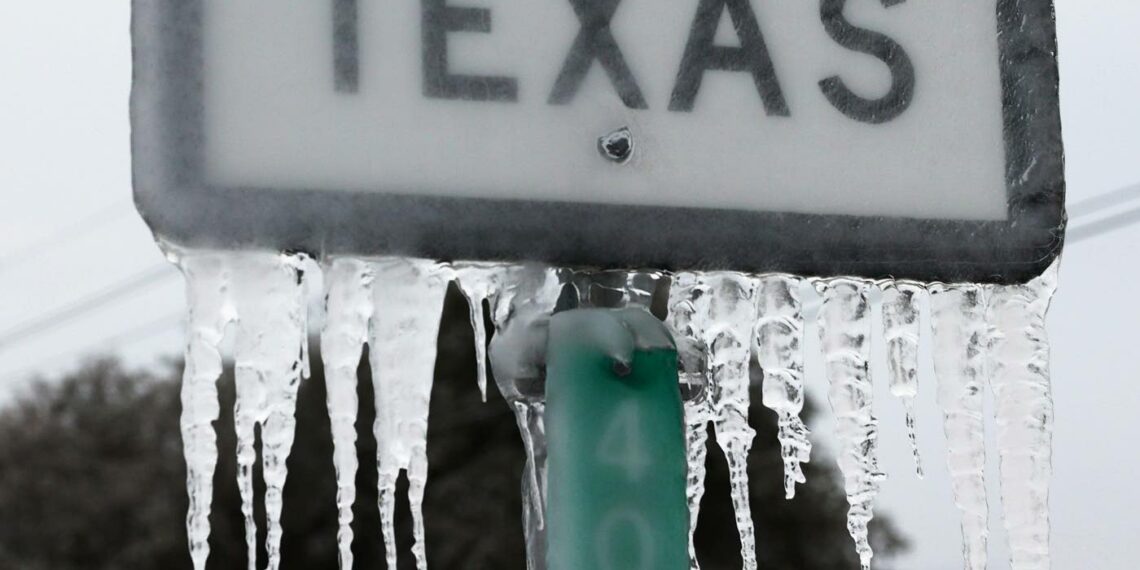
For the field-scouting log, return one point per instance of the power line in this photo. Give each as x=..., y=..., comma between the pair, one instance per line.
x=130, y=336
x=1103, y=226
x=1109, y=223
x=71, y=232
x=1104, y=201
x=85, y=305
x=161, y=324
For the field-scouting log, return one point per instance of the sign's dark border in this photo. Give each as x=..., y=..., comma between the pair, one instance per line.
x=166, y=116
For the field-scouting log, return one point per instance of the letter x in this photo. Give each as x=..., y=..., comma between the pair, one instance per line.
x=596, y=41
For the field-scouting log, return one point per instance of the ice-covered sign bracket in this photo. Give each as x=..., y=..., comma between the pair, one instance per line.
x=886, y=138
x=724, y=157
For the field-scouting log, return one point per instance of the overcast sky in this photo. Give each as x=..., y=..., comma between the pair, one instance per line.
x=68, y=231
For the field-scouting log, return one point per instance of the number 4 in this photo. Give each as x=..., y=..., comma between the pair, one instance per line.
x=622, y=445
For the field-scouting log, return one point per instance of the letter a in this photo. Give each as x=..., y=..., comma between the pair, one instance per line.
x=752, y=56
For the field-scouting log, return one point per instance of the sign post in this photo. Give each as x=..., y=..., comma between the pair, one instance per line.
x=616, y=455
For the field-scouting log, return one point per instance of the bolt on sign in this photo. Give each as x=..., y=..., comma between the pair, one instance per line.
x=875, y=138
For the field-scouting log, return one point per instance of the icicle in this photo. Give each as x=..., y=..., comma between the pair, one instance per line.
x=348, y=308
x=732, y=316
x=303, y=260
x=779, y=338
x=901, y=332
x=519, y=309
x=209, y=313
x=1019, y=376
x=845, y=335
x=688, y=328
x=269, y=346
x=479, y=282
x=961, y=339
x=715, y=313
x=408, y=300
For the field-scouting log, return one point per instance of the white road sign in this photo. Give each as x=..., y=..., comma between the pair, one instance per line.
x=871, y=137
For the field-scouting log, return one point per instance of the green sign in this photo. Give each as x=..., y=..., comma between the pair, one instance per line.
x=616, y=487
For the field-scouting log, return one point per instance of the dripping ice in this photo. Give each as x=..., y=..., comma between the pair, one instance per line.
x=209, y=312
x=393, y=305
x=984, y=335
x=960, y=342
x=1023, y=402
x=407, y=296
x=901, y=333
x=845, y=337
x=348, y=310
x=779, y=341
x=995, y=335
x=262, y=297
x=269, y=348
x=478, y=282
x=713, y=316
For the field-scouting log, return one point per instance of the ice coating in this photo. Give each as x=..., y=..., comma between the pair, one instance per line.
x=902, y=333
x=531, y=419
x=779, y=342
x=527, y=295
x=269, y=361
x=961, y=340
x=845, y=336
x=1023, y=406
x=639, y=288
x=407, y=296
x=713, y=314
x=348, y=310
x=209, y=312
x=615, y=288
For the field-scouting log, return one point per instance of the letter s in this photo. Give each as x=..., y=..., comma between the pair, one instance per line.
x=854, y=38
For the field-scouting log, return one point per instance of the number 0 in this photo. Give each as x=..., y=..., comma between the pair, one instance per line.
x=607, y=530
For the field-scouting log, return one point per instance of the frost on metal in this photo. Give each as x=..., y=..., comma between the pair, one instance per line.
x=982, y=335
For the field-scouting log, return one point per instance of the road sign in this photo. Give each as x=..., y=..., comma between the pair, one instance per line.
x=616, y=453
x=869, y=137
